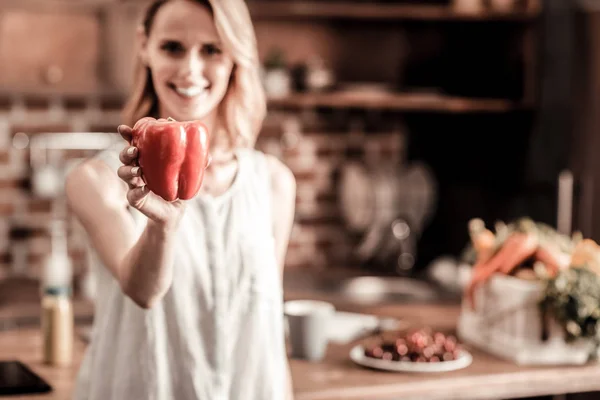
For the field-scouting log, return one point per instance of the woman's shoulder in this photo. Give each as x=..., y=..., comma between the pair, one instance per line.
x=279, y=175
x=278, y=172
x=96, y=175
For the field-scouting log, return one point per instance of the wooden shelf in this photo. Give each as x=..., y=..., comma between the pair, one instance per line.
x=409, y=102
x=312, y=9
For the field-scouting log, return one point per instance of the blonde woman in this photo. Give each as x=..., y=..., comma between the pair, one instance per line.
x=189, y=293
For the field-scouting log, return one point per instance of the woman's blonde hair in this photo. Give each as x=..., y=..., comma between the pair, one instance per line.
x=243, y=108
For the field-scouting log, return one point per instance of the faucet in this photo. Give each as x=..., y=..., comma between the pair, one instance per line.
x=46, y=174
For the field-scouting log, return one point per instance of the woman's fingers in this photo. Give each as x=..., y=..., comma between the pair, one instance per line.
x=138, y=196
x=152, y=206
x=125, y=132
x=130, y=175
x=128, y=155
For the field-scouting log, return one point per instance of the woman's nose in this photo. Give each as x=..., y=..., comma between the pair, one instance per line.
x=193, y=64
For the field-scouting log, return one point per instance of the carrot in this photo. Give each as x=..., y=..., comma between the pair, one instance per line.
x=585, y=251
x=502, y=230
x=483, y=240
x=517, y=248
x=525, y=247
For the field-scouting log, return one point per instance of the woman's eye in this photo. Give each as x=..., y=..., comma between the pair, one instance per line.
x=211, y=49
x=172, y=47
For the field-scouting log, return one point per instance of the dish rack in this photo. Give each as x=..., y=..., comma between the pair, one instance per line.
x=507, y=322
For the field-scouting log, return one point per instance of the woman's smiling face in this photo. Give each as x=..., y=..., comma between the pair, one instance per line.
x=190, y=70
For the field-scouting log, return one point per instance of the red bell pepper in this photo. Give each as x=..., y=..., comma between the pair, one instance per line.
x=172, y=155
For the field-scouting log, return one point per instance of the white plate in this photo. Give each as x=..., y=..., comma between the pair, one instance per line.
x=357, y=354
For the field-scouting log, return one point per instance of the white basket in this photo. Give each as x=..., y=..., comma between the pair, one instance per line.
x=507, y=322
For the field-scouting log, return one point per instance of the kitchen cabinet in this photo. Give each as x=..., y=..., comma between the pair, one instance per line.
x=66, y=47
x=49, y=48
x=433, y=59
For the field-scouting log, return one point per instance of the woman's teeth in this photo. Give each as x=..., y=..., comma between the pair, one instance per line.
x=192, y=91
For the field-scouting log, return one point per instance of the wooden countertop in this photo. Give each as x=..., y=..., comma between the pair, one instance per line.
x=25, y=345
x=336, y=377
x=488, y=377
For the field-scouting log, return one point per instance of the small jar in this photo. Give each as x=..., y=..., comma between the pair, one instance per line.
x=468, y=6
x=318, y=77
x=57, y=326
x=503, y=5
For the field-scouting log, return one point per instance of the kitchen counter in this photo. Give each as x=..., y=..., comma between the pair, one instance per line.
x=488, y=377
x=25, y=345
x=336, y=377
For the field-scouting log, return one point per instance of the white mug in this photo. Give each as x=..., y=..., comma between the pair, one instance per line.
x=308, y=322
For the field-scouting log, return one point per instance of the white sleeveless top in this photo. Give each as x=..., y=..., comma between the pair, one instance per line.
x=218, y=332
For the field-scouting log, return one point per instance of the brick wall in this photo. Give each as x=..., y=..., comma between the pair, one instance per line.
x=314, y=153
x=25, y=218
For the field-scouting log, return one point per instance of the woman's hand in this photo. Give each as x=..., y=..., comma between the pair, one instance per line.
x=139, y=197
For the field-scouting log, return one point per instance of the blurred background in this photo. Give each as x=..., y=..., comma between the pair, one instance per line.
x=401, y=120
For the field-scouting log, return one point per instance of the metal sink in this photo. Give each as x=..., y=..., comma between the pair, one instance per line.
x=370, y=289
x=377, y=289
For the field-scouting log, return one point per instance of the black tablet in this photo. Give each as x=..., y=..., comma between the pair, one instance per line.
x=16, y=378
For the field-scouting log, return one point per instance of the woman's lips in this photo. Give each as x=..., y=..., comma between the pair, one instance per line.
x=189, y=92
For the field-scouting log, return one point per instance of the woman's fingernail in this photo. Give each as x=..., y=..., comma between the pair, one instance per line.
x=135, y=170
x=131, y=150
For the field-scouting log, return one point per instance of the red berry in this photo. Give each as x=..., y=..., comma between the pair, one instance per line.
x=402, y=349
x=377, y=352
x=428, y=352
x=450, y=346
